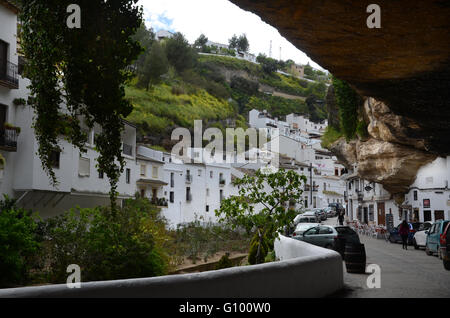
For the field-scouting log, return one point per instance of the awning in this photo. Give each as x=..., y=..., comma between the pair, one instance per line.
x=151, y=182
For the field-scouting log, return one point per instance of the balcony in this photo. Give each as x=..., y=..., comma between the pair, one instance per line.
x=308, y=188
x=189, y=178
x=9, y=74
x=162, y=202
x=127, y=150
x=8, y=138
x=222, y=182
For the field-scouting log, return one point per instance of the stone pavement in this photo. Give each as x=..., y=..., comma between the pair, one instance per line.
x=404, y=273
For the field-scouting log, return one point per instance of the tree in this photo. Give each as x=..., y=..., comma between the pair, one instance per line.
x=179, y=53
x=200, y=43
x=269, y=65
x=80, y=72
x=154, y=67
x=145, y=37
x=272, y=191
x=243, y=44
x=233, y=42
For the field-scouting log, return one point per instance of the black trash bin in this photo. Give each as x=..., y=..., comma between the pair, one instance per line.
x=355, y=258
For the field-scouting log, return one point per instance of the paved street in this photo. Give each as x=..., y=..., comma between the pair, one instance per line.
x=404, y=273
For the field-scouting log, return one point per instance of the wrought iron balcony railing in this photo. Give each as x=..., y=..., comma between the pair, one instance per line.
x=9, y=74
x=8, y=139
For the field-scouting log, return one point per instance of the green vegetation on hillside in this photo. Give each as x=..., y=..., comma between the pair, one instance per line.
x=215, y=89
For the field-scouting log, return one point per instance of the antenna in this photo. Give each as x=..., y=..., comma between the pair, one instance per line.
x=270, y=51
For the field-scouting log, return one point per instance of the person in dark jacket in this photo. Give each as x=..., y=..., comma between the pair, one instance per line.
x=341, y=217
x=403, y=231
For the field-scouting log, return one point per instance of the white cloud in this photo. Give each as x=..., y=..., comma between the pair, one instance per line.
x=219, y=20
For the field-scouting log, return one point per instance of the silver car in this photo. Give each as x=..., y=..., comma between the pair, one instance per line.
x=321, y=235
x=302, y=227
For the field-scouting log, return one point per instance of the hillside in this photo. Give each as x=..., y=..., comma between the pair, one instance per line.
x=220, y=91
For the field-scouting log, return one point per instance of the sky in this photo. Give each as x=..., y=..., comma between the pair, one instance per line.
x=219, y=20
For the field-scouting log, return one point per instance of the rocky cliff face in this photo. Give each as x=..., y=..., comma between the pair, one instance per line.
x=391, y=156
x=404, y=66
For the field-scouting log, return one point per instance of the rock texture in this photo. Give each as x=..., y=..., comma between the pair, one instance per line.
x=405, y=63
x=404, y=66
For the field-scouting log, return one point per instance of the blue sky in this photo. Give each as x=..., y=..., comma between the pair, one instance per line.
x=219, y=20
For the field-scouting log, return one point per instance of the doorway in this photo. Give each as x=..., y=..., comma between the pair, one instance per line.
x=381, y=213
x=426, y=216
x=438, y=215
x=365, y=215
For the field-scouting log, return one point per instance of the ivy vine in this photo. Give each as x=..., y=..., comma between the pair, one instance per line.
x=79, y=74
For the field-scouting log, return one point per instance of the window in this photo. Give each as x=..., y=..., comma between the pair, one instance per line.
x=415, y=195
x=128, y=176
x=312, y=231
x=101, y=175
x=221, y=195
x=172, y=180
x=207, y=192
x=325, y=230
x=143, y=170
x=211, y=174
x=324, y=187
x=84, y=166
x=188, y=194
x=155, y=172
x=207, y=208
x=172, y=197
x=55, y=159
x=199, y=173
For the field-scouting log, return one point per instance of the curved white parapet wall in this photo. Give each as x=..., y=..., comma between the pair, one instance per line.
x=304, y=271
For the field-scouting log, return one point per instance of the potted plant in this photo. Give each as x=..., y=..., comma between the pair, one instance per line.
x=9, y=126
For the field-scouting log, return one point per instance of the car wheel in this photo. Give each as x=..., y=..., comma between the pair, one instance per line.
x=415, y=245
x=447, y=265
x=428, y=252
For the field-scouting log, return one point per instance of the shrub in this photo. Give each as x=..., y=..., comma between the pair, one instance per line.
x=127, y=244
x=224, y=262
x=18, y=243
x=330, y=136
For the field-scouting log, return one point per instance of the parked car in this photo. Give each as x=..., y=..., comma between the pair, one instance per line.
x=305, y=219
x=322, y=235
x=322, y=214
x=301, y=228
x=330, y=212
x=446, y=251
x=434, y=238
x=420, y=237
x=337, y=206
x=313, y=213
x=394, y=236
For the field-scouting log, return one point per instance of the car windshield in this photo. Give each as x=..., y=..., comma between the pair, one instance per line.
x=303, y=227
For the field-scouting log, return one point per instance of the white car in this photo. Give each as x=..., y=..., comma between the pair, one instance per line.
x=420, y=237
x=302, y=227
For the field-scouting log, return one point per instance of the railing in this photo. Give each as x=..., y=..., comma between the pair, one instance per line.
x=188, y=178
x=8, y=139
x=9, y=74
x=159, y=202
x=308, y=188
x=127, y=150
x=222, y=182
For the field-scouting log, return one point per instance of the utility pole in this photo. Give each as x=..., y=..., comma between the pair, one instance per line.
x=310, y=184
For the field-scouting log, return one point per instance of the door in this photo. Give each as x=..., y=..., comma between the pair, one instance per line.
x=381, y=213
x=438, y=215
x=3, y=58
x=426, y=216
x=366, y=215
x=310, y=236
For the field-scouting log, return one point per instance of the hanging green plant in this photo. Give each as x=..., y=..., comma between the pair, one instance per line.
x=80, y=72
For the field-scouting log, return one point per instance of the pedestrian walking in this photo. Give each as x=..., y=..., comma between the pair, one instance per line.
x=403, y=230
x=341, y=218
